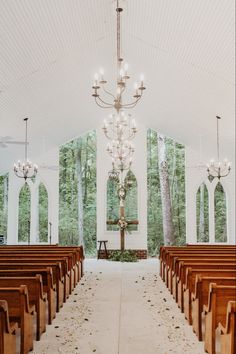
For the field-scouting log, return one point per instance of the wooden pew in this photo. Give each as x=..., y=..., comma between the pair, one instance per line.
x=190, y=284
x=48, y=287
x=57, y=276
x=36, y=297
x=173, y=269
x=215, y=310
x=228, y=332
x=199, y=297
x=21, y=312
x=28, y=258
x=78, y=250
x=69, y=266
x=7, y=331
x=164, y=250
x=197, y=265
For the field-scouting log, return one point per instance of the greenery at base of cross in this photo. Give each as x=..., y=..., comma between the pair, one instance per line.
x=123, y=256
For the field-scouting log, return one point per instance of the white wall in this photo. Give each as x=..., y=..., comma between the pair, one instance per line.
x=138, y=239
x=194, y=177
x=50, y=178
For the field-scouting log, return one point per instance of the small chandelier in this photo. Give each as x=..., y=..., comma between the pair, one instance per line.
x=120, y=130
x=25, y=169
x=116, y=100
x=217, y=168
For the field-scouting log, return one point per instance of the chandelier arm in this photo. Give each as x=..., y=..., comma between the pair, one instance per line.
x=105, y=103
x=107, y=92
x=130, y=105
x=102, y=106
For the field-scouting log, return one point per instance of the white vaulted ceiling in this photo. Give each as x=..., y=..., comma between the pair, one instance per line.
x=50, y=50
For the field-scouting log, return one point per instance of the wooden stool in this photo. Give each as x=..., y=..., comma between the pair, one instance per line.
x=100, y=248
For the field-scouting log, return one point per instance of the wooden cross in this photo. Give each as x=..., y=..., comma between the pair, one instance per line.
x=122, y=231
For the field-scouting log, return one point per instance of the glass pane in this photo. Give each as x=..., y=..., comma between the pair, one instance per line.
x=43, y=213
x=24, y=214
x=220, y=214
x=131, y=200
x=202, y=214
x=112, y=204
x=3, y=207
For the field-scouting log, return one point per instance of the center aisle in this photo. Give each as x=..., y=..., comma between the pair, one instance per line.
x=119, y=308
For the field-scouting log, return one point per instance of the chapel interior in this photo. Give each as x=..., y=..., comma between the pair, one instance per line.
x=117, y=177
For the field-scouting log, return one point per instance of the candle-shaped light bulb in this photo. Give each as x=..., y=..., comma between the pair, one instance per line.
x=141, y=79
x=101, y=72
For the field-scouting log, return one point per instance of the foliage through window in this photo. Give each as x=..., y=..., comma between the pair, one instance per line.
x=77, y=193
x=131, y=200
x=24, y=214
x=220, y=214
x=43, y=213
x=202, y=209
x=171, y=158
x=112, y=204
x=3, y=204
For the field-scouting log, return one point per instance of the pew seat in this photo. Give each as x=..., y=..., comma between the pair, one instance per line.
x=215, y=312
x=21, y=312
x=228, y=332
x=36, y=297
x=7, y=331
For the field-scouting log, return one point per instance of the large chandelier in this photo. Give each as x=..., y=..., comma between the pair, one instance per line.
x=218, y=168
x=114, y=100
x=119, y=128
x=25, y=169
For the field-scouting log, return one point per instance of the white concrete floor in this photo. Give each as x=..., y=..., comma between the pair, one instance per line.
x=120, y=308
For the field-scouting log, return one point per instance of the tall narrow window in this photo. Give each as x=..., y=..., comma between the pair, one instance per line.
x=131, y=200
x=43, y=213
x=220, y=214
x=24, y=214
x=202, y=214
x=112, y=204
x=3, y=206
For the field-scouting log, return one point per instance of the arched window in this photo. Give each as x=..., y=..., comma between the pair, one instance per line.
x=24, y=214
x=3, y=206
x=220, y=214
x=131, y=200
x=43, y=213
x=112, y=203
x=202, y=214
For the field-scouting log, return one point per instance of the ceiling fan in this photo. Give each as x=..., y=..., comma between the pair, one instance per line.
x=49, y=167
x=8, y=140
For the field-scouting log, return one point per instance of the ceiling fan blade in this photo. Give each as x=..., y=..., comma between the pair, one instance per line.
x=5, y=138
x=15, y=142
x=2, y=145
